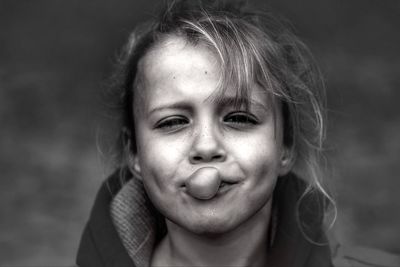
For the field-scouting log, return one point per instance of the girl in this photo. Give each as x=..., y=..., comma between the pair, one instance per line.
x=222, y=115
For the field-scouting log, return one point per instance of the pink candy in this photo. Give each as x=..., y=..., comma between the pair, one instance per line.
x=203, y=183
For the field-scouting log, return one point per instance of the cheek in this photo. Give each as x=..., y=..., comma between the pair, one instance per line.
x=159, y=158
x=257, y=153
x=258, y=157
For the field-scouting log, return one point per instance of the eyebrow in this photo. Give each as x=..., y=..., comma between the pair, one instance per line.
x=178, y=105
x=222, y=103
x=239, y=102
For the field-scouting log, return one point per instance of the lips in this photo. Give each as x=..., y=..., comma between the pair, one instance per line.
x=225, y=184
x=207, y=182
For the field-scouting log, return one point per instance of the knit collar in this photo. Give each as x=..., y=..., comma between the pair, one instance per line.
x=140, y=226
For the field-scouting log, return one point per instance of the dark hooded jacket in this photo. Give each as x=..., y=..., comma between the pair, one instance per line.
x=124, y=227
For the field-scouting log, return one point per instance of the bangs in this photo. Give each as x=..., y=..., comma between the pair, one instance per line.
x=241, y=55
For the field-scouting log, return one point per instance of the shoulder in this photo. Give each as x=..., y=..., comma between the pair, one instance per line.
x=298, y=236
x=357, y=256
x=100, y=244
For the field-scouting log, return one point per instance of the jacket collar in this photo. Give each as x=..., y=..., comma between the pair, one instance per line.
x=124, y=226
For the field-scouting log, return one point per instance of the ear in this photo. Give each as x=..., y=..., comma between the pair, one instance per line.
x=132, y=159
x=135, y=167
x=136, y=164
x=286, y=161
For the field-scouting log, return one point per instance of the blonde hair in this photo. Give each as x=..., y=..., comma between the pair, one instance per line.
x=252, y=47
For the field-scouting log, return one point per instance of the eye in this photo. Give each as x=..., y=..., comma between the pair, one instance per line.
x=171, y=123
x=241, y=118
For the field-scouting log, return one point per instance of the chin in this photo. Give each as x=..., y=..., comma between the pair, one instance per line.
x=209, y=226
x=209, y=229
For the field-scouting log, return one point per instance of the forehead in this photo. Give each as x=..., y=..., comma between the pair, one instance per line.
x=172, y=55
x=175, y=64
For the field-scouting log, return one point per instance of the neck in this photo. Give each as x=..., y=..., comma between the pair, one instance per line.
x=246, y=245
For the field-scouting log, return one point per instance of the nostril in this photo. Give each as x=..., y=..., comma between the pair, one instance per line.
x=207, y=157
x=197, y=158
x=200, y=158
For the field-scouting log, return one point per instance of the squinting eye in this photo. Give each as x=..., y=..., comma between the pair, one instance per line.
x=240, y=118
x=170, y=123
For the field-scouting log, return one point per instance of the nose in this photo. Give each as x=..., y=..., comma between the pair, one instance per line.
x=207, y=147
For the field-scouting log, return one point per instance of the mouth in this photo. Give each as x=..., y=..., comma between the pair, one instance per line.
x=207, y=183
x=222, y=187
x=225, y=186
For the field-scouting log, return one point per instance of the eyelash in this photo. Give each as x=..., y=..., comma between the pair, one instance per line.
x=236, y=119
x=170, y=123
x=241, y=118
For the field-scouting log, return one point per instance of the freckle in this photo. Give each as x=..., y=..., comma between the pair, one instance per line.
x=173, y=77
x=205, y=72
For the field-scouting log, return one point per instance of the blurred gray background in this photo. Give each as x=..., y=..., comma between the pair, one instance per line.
x=55, y=56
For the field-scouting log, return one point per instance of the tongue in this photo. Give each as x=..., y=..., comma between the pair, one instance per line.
x=203, y=183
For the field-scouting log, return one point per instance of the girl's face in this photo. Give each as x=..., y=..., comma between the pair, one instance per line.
x=180, y=129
